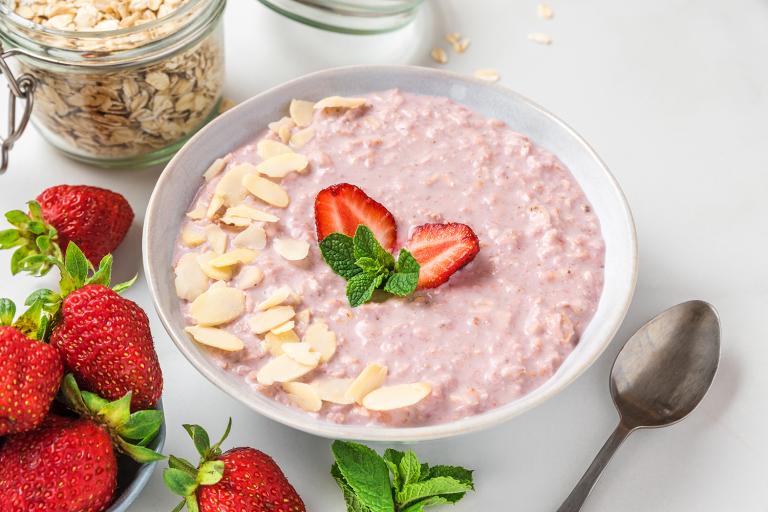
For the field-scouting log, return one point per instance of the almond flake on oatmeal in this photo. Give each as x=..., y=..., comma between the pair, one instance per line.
x=282, y=128
x=278, y=297
x=372, y=377
x=234, y=257
x=268, y=191
x=538, y=37
x=301, y=137
x=281, y=165
x=267, y=148
x=238, y=222
x=273, y=342
x=218, y=305
x=252, y=237
x=487, y=74
x=303, y=395
x=216, y=338
x=286, y=327
x=215, y=205
x=268, y=320
x=302, y=353
x=197, y=213
x=249, y=277
x=217, y=239
x=302, y=316
x=219, y=274
x=192, y=237
x=545, y=12
x=388, y=398
x=439, y=55
x=216, y=167
x=290, y=249
x=333, y=390
x=247, y=212
x=281, y=369
x=322, y=339
x=230, y=186
x=302, y=112
x=190, y=281
x=339, y=102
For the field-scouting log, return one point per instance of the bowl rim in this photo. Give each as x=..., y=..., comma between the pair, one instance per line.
x=487, y=419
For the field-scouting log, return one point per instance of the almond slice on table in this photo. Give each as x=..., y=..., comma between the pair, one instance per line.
x=281, y=166
x=250, y=213
x=302, y=112
x=230, y=187
x=219, y=274
x=372, y=377
x=218, y=305
x=253, y=237
x=339, y=102
x=266, y=190
x=487, y=74
x=322, y=339
x=268, y=320
x=191, y=237
x=281, y=369
x=215, y=168
x=267, y=148
x=216, y=338
x=249, y=277
x=197, y=213
x=303, y=395
x=287, y=326
x=282, y=128
x=302, y=353
x=301, y=137
x=273, y=342
x=278, y=297
x=217, y=239
x=214, y=206
x=234, y=257
x=290, y=249
x=333, y=390
x=190, y=281
x=388, y=398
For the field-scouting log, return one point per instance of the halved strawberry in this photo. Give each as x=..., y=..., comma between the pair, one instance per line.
x=441, y=250
x=341, y=208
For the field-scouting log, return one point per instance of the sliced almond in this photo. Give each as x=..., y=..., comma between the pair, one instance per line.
x=303, y=395
x=268, y=148
x=278, y=297
x=268, y=191
x=273, y=342
x=219, y=274
x=216, y=338
x=234, y=257
x=439, y=55
x=250, y=213
x=249, y=277
x=302, y=316
x=301, y=137
x=302, y=112
x=230, y=188
x=268, y=320
x=191, y=237
x=389, y=398
x=487, y=74
x=282, y=165
x=218, y=305
x=215, y=168
x=214, y=206
x=372, y=377
x=339, y=102
x=322, y=339
x=283, y=128
x=190, y=281
x=545, y=12
x=538, y=37
x=253, y=237
x=301, y=352
x=238, y=222
x=281, y=369
x=287, y=326
x=290, y=249
x=217, y=239
x=333, y=390
x=197, y=213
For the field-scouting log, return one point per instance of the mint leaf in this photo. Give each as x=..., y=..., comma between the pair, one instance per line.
x=350, y=498
x=368, y=264
x=338, y=252
x=404, y=280
x=366, y=474
x=361, y=287
x=458, y=473
x=437, y=486
x=393, y=458
x=420, y=505
x=366, y=246
x=410, y=468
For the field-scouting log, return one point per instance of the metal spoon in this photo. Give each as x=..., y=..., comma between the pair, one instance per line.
x=660, y=376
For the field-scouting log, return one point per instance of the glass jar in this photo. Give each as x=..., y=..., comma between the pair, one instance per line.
x=124, y=97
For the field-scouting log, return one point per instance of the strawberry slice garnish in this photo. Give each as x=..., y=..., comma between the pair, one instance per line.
x=441, y=250
x=341, y=208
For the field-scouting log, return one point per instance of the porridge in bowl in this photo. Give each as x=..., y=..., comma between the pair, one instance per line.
x=496, y=266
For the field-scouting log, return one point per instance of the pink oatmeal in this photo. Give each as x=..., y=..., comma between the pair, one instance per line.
x=499, y=328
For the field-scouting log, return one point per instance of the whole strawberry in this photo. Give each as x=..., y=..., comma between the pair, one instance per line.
x=65, y=465
x=238, y=480
x=30, y=373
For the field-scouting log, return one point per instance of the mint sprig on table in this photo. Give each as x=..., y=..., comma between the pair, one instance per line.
x=396, y=482
x=368, y=267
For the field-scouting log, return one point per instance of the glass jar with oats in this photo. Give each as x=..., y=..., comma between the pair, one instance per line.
x=116, y=83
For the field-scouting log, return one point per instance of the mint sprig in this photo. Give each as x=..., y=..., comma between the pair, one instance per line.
x=396, y=482
x=367, y=266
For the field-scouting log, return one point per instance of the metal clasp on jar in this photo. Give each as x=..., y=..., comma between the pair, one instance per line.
x=21, y=88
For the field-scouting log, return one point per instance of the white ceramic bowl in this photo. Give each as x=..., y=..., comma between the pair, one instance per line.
x=181, y=179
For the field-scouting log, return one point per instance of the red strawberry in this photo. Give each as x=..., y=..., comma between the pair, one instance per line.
x=341, y=208
x=106, y=342
x=96, y=219
x=65, y=465
x=441, y=250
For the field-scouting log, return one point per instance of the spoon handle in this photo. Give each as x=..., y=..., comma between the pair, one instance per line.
x=578, y=496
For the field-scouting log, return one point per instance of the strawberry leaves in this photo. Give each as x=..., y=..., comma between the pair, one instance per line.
x=77, y=271
x=34, y=239
x=368, y=267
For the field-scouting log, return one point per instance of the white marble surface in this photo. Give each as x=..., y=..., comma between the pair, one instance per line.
x=674, y=96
